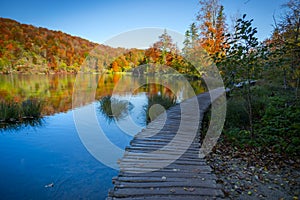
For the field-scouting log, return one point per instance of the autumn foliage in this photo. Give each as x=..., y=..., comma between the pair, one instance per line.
x=212, y=27
x=30, y=49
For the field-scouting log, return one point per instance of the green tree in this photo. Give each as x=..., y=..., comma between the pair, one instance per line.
x=191, y=39
x=242, y=61
x=289, y=29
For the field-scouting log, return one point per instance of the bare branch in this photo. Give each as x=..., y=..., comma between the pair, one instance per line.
x=275, y=22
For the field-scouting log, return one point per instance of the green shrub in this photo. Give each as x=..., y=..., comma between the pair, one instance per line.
x=236, y=116
x=276, y=120
x=280, y=125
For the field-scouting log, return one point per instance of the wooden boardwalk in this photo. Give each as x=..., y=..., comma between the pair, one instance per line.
x=158, y=165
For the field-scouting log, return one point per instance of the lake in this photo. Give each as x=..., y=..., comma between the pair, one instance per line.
x=46, y=158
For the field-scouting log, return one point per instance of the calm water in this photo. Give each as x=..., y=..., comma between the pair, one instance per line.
x=51, y=151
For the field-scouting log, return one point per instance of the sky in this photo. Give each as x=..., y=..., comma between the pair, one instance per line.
x=101, y=20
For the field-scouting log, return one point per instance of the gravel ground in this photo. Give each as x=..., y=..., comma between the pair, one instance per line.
x=252, y=175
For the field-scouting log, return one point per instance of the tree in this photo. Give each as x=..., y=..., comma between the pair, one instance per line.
x=191, y=39
x=212, y=27
x=284, y=47
x=289, y=28
x=115, y=67
x=242, y=61
x=165, y=45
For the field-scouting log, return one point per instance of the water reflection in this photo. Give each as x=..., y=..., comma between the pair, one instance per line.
x=18, y=125
x=55, y=92
x=158, y=103
x=116, y=108
x=113, y=108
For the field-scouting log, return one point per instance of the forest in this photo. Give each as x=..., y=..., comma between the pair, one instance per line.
x=35, y=50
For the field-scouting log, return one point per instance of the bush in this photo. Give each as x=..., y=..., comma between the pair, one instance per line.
x=276, y=120
x=237, y=116
x=280, y=125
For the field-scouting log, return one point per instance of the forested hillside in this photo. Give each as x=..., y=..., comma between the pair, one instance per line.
x=30, y=49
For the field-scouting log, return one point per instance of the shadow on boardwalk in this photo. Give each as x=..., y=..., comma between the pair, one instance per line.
x=164, y=163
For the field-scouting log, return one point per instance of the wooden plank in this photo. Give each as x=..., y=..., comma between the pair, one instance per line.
x=169, y=174
x=194, y=153
x=133, y=169
x=147, y=149
x=188, y=183
x=136, y=192
x=167, y=154
x=175, y=168
x=186, y=162
x=145, y=179
x=160, y=145
x=158, y=137
x=183, y=161
x=166, y=139
x=167, y=197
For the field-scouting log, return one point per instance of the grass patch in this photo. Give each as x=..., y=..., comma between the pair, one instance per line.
x=14, y=113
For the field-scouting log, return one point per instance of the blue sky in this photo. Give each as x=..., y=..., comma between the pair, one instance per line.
x=99, y=20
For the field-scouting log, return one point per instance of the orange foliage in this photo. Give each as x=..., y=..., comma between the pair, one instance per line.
x=115, y=66
x=212, y=27
x=50, y=47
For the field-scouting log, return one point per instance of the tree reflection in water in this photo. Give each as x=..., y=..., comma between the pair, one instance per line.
x=17, y=125
x=157, y=104
x=113, y=108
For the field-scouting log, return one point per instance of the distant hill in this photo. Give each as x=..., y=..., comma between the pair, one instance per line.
x=29, y=49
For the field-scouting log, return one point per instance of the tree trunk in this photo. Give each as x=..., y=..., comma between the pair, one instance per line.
x=284, y=79
x=297, y=86
x=250, y=114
